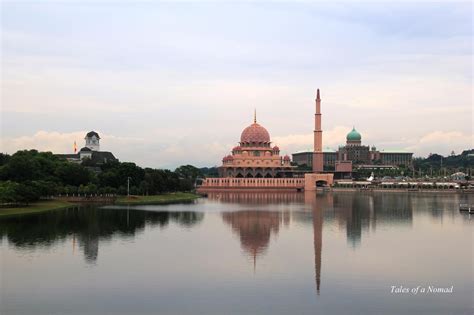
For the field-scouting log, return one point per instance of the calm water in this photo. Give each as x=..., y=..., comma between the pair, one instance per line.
x=332, y=253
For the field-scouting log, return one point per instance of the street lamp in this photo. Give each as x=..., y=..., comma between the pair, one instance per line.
x=128, y=186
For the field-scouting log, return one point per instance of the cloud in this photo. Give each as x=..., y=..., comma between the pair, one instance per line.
x=56, y=142
x=59, y=142
x=177, y=84
x=442, y=142
x=332, y=138
x=144, y=152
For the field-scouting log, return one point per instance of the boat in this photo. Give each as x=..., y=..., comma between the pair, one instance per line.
x=466, y=207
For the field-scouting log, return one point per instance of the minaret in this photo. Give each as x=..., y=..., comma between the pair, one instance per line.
x=318, y=138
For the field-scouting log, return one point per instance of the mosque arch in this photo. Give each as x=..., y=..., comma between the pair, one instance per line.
x=321, y=183
x=268, y=172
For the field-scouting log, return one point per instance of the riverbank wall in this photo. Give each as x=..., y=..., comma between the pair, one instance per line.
x=399, y=190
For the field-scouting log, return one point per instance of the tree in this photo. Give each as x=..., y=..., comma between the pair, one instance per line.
x=8, y=192
x=188, y=172
x=73, y=174
x=26, y=193
x=4, y=158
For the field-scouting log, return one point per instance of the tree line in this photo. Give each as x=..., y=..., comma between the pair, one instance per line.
x=28, y=175
x=438, y=164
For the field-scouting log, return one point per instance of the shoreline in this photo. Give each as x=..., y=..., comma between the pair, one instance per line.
x=404, y=190
x=157, y=199
x=63, y=203
x=332, y=189
x=39, y=206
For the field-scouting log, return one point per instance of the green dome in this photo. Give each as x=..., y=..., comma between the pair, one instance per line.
x=354, y=135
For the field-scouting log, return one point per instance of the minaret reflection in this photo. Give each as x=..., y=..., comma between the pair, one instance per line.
x=318, y=202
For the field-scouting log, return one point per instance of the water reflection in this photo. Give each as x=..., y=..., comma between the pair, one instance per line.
x=254, y=228
x=355, y=213
x=85, y=227
x=257, y=197
x=196, y=258
x=259, y=218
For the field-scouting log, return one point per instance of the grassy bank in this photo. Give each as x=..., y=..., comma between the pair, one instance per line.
x=36, y=207
x=157, y=199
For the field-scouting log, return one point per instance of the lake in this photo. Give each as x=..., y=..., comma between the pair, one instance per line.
x=244, y=253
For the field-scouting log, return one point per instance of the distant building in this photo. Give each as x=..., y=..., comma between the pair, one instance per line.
x=91, y=152
x=92, y=141
x=361, y=156
x=306, y=158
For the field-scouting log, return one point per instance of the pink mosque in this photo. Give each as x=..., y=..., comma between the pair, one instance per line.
x=255, y=164
x=254, y=157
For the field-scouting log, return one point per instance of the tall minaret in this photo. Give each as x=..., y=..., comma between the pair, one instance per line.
x=318, y=138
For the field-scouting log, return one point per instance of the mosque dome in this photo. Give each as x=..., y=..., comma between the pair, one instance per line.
x=255, y=133
x=354, y=135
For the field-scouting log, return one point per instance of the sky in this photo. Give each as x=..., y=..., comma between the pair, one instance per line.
x=166, y=84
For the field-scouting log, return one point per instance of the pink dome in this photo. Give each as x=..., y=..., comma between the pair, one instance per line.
x=237, y=148
x=276, y=148
x=286, y=158
x=255, y=133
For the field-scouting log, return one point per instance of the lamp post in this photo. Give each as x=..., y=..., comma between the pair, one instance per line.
x=128, y=186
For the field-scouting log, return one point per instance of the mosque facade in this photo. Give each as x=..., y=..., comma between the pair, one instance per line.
x=256, y=164
x=255, y=157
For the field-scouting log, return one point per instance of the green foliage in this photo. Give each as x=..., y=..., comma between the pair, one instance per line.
x=28, y=175
x=72, y=174
x=209, y=171
x=438, y=165
x=188, y=172
x=8, y=191
x=4, y=158
x=19, y=193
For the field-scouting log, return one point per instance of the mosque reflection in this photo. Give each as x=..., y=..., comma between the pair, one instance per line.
x=352, y=212
x=85, y=227
x=255, y=228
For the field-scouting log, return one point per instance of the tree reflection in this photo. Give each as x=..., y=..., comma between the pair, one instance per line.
x=86, y=226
